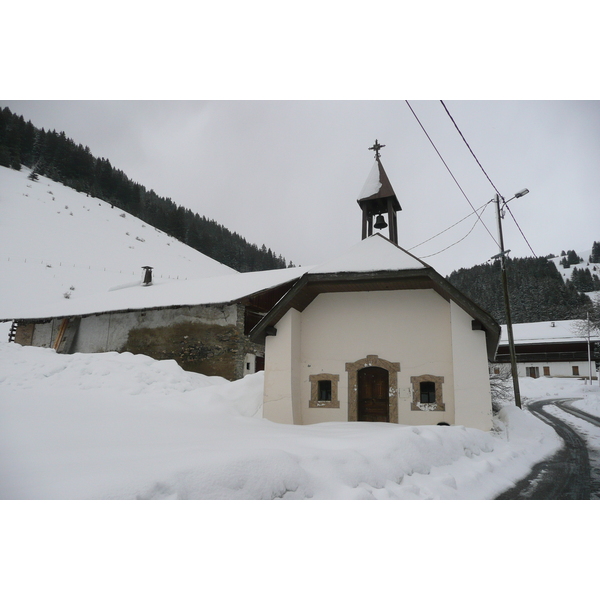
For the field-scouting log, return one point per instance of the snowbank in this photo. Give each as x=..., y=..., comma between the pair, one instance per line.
x=126, y=426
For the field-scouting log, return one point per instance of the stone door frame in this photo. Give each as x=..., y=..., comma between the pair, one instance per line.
x=372, y=360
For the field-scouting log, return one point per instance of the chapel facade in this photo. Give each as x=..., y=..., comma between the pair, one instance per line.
x=377, y=335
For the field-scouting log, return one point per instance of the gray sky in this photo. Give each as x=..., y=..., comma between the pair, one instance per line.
x=288, y=173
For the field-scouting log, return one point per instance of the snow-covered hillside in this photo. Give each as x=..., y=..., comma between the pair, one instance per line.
x=57, y=244
x=567, y=272
x=586, y=264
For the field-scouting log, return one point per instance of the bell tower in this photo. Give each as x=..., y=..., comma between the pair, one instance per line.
x=377, y=199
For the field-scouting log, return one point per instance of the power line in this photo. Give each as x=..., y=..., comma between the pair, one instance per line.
x=469, y=147
x=513, y=217
x=451, y=226
x=449, y=171
x=484, y=172
x=461, y=239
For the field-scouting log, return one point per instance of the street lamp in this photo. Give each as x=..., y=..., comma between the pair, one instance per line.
x=502, y=256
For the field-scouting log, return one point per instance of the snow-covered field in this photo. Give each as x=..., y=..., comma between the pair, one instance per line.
x=122, y=426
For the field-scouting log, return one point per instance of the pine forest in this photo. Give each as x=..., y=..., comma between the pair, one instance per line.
x=537, y=291
x=57, y=157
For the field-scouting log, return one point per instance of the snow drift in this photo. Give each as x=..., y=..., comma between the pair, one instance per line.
x=123, y=426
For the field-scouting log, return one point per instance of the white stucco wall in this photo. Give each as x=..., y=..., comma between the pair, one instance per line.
x=559, y=369
x=420, y=330
x=281, y=370
x=473, y=404
x=411, y=327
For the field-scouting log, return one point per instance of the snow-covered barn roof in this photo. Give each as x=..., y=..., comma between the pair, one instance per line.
x=545, y=332
x=210, y=290
x=372, y=254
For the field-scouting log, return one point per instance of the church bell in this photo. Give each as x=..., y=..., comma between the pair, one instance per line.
x=380, y=222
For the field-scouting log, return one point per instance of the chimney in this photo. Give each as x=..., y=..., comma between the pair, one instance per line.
x=147, y=276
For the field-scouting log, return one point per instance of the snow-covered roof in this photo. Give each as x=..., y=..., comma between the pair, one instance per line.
x=544, y=332
x=57, y=242
x=372, y=184
x=378, y=188
x=375, y=253
x=372, y=264
x=209, y=290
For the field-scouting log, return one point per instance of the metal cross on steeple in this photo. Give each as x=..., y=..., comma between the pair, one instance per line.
x=377, y=147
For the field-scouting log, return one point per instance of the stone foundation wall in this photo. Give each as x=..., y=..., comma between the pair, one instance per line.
x=203, y=339
x=208, y=340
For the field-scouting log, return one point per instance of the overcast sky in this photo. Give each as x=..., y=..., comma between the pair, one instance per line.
x=288, y=173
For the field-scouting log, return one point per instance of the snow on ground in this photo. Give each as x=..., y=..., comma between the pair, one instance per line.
x=123, y=426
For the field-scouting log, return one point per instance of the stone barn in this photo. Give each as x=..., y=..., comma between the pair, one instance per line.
x=202, y=324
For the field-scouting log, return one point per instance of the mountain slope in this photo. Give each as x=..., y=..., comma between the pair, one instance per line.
x=538, y=292
x=58, y=157
x=586, y=264
x=57, y=243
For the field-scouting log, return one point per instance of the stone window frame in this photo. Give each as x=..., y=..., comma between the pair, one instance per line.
x=314, y=401
x=372, y=360
x=416, y=403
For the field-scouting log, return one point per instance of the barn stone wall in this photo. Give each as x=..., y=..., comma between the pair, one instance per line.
x=203, y=339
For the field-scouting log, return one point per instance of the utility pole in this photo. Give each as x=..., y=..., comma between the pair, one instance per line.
x=502, y=256
x=589, y=346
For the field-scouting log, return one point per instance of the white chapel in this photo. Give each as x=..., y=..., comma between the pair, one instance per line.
x=376, y=334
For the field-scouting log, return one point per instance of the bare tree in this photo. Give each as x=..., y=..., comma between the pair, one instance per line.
x=588, y=327
x=591, y=324
x=501, y=386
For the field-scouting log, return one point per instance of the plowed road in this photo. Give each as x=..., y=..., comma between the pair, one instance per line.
x=573, y=473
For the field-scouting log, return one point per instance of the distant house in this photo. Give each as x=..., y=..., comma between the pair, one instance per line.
x=377, y=335
x=548, y=349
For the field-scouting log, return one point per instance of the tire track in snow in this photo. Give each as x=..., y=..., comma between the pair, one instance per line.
x=563, y=476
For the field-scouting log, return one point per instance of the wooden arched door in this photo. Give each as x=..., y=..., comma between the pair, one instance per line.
x=373, y=394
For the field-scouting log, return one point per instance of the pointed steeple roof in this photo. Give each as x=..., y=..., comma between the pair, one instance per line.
x=378, y=189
